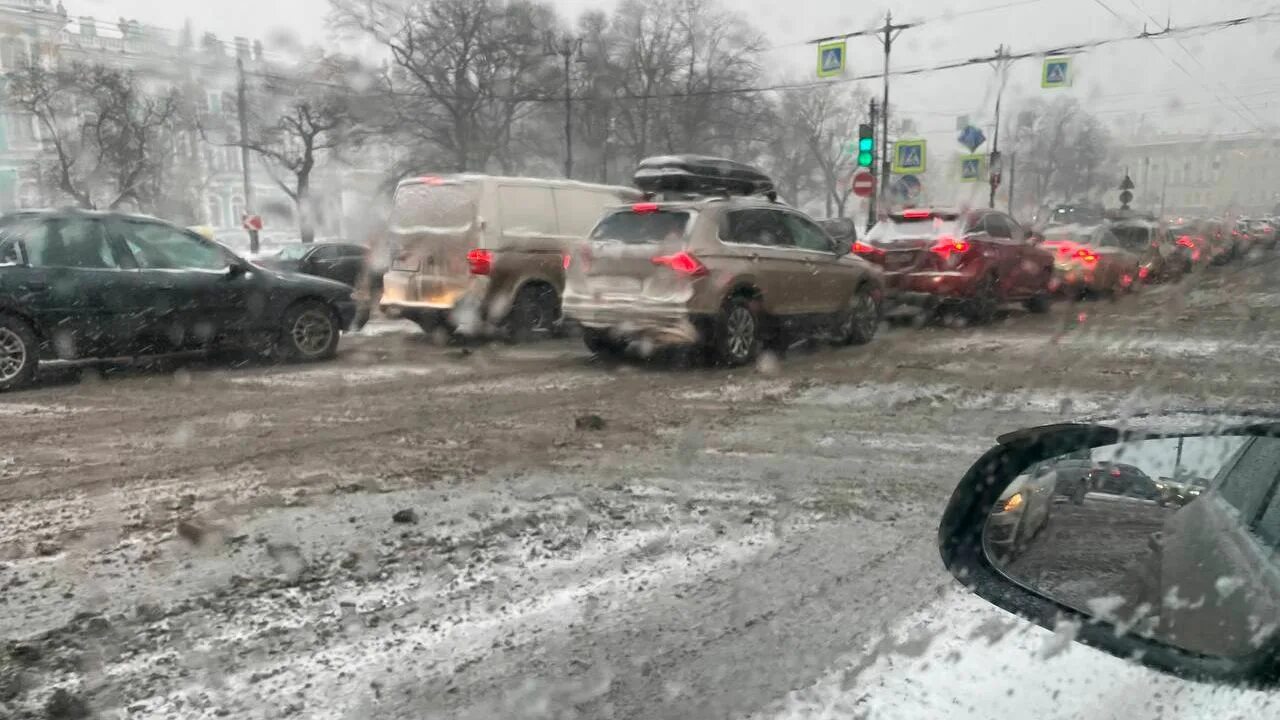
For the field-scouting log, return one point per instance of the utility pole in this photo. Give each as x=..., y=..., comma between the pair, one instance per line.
x=1001, y=65
x=568, y=48
x=242, y=111
x=871, y=199
x=889, y=33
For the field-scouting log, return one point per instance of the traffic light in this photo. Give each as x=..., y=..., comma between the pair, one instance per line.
x=866, y=145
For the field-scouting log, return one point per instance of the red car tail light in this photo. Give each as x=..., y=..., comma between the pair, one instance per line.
x=1186, y=241
x=683, y=263
x=916, y=214
x=1115, y=472
x=480, y=261
x=861, y=248
x=568, y=260
x=645, y=208
x=1086, y=255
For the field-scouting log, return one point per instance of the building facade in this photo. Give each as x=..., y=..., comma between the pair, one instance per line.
x=1200, y=175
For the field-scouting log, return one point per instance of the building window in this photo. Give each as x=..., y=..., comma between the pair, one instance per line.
x=215, y=213
x=13, y=54
x=214, y=102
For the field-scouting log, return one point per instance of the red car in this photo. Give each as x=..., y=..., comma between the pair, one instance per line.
x=973, y=261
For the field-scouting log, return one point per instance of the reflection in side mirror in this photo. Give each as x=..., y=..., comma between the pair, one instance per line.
x=1172, y=538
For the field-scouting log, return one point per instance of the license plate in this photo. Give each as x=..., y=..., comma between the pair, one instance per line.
x=406, y=265
x=615, y=286
x=899, y=260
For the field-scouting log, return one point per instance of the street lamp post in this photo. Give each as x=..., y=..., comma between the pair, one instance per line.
x=568, y=48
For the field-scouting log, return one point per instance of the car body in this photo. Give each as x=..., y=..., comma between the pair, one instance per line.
x=1114, y=478
x=974, y=260
x=77, y=284
x=485, y=255
x=1021, y=512
x=1210, y=241
x=1160, y=257
x=1089, y=260
x=1262, y=233
x=723, y=272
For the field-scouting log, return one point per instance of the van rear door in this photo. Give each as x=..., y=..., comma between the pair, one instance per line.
x=434, y=225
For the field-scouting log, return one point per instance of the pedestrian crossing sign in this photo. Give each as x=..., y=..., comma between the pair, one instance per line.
x=831, y=57
x=908, y=157
x=1056, y=73
x=972, y=168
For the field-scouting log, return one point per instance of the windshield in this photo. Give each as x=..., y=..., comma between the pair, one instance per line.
x=631, y=227
x=572, y=360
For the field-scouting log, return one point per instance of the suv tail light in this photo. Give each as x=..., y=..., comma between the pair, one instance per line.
x=480, y=261
x=950, y=250
x=1087, y=255
x=1186, y=241
x=861, y=248
x=683, y=263
x=644, y=208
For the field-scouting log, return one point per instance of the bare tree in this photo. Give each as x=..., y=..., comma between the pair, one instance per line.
x=1064, y=156
x=105, y=136
x=294, y=139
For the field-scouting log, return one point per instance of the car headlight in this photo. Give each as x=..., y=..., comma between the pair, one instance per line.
x=1014, y=502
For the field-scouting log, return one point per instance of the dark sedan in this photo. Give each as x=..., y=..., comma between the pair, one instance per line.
x=77, y=284
x=345, y=262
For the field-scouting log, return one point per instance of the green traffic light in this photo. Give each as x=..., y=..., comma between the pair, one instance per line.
x=866, y=145
x=864, y=159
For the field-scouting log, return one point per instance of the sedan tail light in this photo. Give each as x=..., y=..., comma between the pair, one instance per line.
x=950, y=250
x=480, y=261
x=683, y=263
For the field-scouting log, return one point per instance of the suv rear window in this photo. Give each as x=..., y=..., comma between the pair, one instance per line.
x=429, y=205
x=647, y=227
x=894, y=228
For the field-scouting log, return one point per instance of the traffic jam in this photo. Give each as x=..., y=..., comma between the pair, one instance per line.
x=700, y=256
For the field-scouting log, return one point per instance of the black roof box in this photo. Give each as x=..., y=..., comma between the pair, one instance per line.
x=700, y=174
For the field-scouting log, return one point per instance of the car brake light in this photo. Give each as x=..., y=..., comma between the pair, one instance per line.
x=568, y=260
x=1086, y=255
x=683, y=263
x=480, y=261
x=1186, y=242
x=916, y=214
x=862, y=248
x=1115, y=472
x=431, y=180
x=644, y=208
x=1144, y=272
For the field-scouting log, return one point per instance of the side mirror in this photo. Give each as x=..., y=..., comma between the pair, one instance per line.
x=1125, y=541
x=237, y=268
x=844, y=247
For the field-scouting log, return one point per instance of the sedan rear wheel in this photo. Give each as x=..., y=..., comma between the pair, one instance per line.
x=18, y=353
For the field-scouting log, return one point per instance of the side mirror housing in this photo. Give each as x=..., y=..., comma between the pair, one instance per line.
x=844, y=247
x=1161, y=582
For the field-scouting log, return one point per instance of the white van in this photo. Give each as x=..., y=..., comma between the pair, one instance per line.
x=483, y=254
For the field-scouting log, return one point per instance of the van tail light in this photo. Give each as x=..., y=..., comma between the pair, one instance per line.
x=644, y=208
x=568, y=260
x=683, y=263
x=480, y=261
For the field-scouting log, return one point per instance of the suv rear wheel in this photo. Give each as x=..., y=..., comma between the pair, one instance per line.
x=859, y=322
x=737, y=336
x=19, y=351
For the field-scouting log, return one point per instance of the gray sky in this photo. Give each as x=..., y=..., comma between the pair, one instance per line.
x=1127, y=84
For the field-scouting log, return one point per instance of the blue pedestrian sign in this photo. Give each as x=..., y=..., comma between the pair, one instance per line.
x=971, y=137
x=1056, y=73
x=909, y=157
x=831, y=56
x=972, y=168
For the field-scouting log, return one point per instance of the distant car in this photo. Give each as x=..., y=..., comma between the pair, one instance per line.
x=1090, y=260
x=1160, y=258
x=974, y=261
x=1180, y=492
x=343, y=262
x=77, y=284
x=1210, y=240
x=1122, y=479
x=1071, y=475
x=724, y=271
x=1263, y=233
x=1021, y=513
